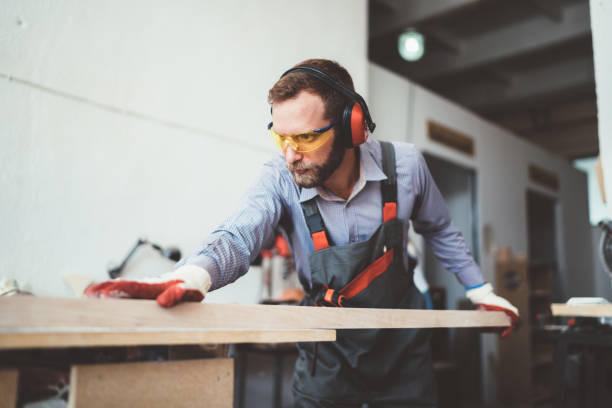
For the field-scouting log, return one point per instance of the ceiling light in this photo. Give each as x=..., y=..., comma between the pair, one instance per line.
x=411, y=45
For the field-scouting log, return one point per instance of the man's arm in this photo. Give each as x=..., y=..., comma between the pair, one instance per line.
x=430, y=218
x=229, y=250
x=225, y=255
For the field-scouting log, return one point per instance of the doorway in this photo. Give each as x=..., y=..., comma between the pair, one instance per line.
x=456, y=352
x=542, y=246
x=458, y=187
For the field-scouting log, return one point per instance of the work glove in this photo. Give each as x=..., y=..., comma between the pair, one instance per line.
x=189, y=283
x=485, y=299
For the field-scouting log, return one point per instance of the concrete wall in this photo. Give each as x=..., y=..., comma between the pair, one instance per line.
x=402, y=109
x=143, y=118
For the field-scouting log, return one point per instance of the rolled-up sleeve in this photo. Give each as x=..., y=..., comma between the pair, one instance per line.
x=229, y=250
x=430, y=218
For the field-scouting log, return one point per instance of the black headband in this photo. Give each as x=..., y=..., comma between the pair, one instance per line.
x=354, y=96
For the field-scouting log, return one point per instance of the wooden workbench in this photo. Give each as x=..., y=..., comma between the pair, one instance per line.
x=596, y=310
x=37, y=322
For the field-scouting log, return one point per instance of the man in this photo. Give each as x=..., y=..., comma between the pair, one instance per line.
x=346, y=204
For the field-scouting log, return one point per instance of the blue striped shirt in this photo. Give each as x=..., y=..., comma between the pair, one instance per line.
x=274, y=200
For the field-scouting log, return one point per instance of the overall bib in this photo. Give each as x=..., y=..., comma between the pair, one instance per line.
x=378, y=367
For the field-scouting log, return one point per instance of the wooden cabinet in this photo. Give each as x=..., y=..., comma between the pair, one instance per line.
x=525, y=361
x=514, y=366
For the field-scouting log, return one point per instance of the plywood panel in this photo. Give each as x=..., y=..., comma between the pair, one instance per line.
x=8, y=388
x=195, y=383
x=41, y=313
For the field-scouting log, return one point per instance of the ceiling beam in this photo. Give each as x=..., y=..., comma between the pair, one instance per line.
x=573, y=153
x=444, y=39
x=551, y=8
x=500, y=76
x=506, y=42
x=575, y=141
x=573, y=74
x=565, y=114
x=584, y=132
x=404, y=14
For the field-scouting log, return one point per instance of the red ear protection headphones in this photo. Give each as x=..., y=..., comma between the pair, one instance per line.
x=356, y=120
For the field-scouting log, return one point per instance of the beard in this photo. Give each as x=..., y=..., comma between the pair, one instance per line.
x=318, y=174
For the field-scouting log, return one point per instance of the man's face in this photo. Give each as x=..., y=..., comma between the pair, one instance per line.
x=302, y=114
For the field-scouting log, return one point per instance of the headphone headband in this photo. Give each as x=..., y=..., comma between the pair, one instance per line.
x=331, y=82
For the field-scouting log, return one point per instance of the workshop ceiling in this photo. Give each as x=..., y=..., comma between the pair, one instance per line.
x=524, y=64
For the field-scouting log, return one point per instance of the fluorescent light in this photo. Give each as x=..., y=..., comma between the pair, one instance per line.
x=411, y=45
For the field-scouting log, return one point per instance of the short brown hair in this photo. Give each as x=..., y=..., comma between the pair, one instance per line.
x=293, y=83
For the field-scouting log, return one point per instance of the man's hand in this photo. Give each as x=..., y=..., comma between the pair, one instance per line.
x=485, y=299
x=189, y=283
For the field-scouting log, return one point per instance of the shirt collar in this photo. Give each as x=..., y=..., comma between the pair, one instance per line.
x=369, y=171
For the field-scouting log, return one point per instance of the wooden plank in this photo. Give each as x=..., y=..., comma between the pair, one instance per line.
x=450, y=138
x=190, y=383
x=8, y=388
x=41, y=312
x=88, y=337
x=543, y=177
x=561, y=309
x=23, y=315
x=600, y=178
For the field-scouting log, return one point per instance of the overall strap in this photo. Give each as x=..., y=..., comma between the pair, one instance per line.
x=389, y=186
x=315, y=224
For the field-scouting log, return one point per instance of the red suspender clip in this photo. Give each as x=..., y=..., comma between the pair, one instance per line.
x=319, y=239
x=389, y=211
x=330, y=297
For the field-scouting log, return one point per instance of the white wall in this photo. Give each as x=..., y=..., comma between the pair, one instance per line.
x=500, y=162
x=601, y=26
x=143, y=118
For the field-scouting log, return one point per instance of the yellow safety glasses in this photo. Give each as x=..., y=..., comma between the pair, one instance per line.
x=302, y=142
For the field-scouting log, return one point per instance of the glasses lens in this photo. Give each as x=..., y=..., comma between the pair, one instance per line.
x=303, y=142
x=283, y=141
x=307, y=142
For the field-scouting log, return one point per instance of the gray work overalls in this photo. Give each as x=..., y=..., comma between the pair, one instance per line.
x=377, y=367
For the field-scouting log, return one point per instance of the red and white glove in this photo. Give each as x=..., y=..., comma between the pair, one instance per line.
x=189, y=283
x=485, y=299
